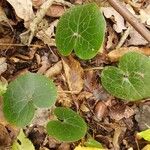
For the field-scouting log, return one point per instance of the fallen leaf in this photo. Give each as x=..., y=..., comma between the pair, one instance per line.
x=64, y=146
x=118, y=20
x=63, y=98
x=145, y=15
x=120, y=111
x=116, y=54
x=55, y=11
x=141, y=116
x=23, y=9
x=54, y=70
x=46, y=35
x=44, y=64
x=136, y=39
x=87, y=148
x=38, y=3
x=3, y=65
x=74, y=74
x=144, y=134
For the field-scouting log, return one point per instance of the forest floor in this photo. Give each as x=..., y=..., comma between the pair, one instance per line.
x=111, y=121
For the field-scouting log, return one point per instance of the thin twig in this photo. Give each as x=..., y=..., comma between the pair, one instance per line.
x=139, y=27
x=18, y=45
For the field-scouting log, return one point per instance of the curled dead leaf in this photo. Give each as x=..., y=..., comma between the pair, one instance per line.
x=54, y=70
x=74, y=74
x=23, y=9
x=3, y=65
x=118, y=20
x=55, y=11
x=116, y=54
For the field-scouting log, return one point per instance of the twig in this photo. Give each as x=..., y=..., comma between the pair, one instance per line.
x=19, y=45
x=139, y=27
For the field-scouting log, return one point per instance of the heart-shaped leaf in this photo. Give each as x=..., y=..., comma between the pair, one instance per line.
x=69, y=127
x=81, y=28
x=26, y=93
x=131, y=80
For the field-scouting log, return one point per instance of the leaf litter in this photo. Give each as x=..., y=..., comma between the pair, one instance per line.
x=110, y=122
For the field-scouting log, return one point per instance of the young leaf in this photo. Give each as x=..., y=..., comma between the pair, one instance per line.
x=24, y=94
x=69, y=127
x=145, y=134
x=23, y=144
x=93, y=143
x=81, y=28
x=131, y=80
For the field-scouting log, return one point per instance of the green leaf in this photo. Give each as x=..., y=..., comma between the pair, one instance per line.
x=22, y=143
x=93, y=143
x=3, y=88
x=145, y=135
x=81, y=28
x=25, y=94
x=131, y=80
x=69, y=127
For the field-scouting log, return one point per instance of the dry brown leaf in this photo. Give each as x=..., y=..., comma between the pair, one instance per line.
x=54, y=70
x=3, y=65
x=118, y=20
x=23, y=9
x=145, y=15
x=56, y=11
x=45, y=64
x=64, y=98
x=120, y=111
x=116, y=54
x=74, y=74
x=136, y=39
x=46, y=35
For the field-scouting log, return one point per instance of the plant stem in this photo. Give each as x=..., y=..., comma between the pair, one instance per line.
x=139, y=27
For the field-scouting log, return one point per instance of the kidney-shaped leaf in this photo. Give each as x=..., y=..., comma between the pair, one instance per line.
x=69, y=127
x=24, y=94
x=131, y=80
x=81, y=28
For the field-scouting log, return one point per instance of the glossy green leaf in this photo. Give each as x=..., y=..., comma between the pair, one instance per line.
x=145, y=135
x=93, y=143
x=22, y=143
x=69, y=127
x=25, y=94
x=81, y=28
x=131, y=80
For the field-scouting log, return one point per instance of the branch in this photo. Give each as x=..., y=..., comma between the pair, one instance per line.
x=139, y=27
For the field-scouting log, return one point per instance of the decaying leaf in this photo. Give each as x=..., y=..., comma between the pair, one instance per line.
x=74, y=74
x=3, y=65
x=46, y=35
x=141, y=116
x=23, y=9
x=116, y=54
x=55, y=11
x=136, y=38
x=54, y=70
x=118, y=20
x=63, y=98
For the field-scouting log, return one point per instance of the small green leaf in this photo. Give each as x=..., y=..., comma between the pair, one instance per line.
x=25, y=94
x=131, y=80
x=81, y=28
x=93, y=143
x=69, y=127
x=145, y=134
x=22, y=143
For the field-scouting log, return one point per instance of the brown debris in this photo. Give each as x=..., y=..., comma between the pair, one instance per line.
x=73, y=73
x=116, y=54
